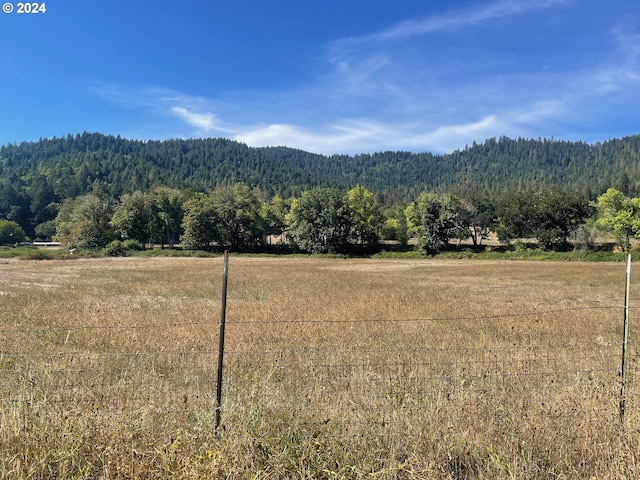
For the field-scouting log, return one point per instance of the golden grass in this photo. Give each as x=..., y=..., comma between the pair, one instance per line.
x=333, y=369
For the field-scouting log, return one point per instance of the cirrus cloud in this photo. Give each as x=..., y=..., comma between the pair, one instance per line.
x=205, y=122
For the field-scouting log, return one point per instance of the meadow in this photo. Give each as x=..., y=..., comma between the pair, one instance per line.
x=334, y=368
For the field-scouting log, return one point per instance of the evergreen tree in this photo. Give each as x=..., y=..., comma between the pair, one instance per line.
x=43, y=201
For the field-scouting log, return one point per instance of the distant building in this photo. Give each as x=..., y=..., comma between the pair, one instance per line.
x=46, y=244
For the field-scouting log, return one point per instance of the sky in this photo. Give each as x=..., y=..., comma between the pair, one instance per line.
x=330, y=77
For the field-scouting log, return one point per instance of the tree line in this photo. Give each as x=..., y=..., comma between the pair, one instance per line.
x=37, y=177
x=243, y=218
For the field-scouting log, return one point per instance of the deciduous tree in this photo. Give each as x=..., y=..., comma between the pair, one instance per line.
x=549, y=215
x=365, y=215
x=432, y=220
x=482, y=218
x=320, y=221
x=11, y=233
x=199, y=222
x=84, y=222
x=620, y=216
x=274, y=217
x=237, y=212
x=135, y=218
x=169, y=204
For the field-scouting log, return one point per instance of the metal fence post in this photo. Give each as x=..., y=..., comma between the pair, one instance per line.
x=625, y=341
x=223, y=316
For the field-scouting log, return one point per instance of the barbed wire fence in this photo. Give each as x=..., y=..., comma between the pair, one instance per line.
x=376, y=372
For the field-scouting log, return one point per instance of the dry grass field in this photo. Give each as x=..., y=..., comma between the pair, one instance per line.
x=334, y=369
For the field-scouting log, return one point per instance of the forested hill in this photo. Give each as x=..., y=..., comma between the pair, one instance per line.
x=74, y=165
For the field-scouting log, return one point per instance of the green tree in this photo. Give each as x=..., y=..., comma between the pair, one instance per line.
x=459, y=218
x=84, y=222
x=394, y=226
x=274, y=217
x=516, y=215
x=549, y=215
x=320, y=221
x=482, y=218
x=365, y=215
x=169, y=206
x=620, y=216
x=11, y=233
x=560, y=214
x=14, y=203
x=433, y=220
x=43, y=200
x=46, y=230
x=199, y=222
x=135, y=218
x=237, y=211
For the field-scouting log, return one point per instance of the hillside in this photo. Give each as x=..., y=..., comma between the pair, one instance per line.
x=35, y=177
x=74, y=164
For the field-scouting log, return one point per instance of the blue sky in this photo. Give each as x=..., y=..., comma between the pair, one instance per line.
x=345, y=76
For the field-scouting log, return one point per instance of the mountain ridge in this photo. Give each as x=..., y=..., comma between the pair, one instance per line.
x=73, y=165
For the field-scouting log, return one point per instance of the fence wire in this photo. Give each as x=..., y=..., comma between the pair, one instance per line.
x=369, y=384
x=381, y=370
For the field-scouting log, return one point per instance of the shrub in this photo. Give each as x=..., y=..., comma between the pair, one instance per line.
x=132, y=244
x=37, y=254
x=115, y=249
x=519, y=246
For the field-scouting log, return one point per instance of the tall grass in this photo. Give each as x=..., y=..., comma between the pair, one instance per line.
x=404, y=368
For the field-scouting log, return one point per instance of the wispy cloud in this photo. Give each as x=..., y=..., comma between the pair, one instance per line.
x=394, y=88
x=349, y=137
x=624, y=68
x=192, y=111
x=131, y=97
x=205, y=122
x=328, y=139
x=450, y=137
x=538, y=111
x=451, y=20
x=429, y=100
